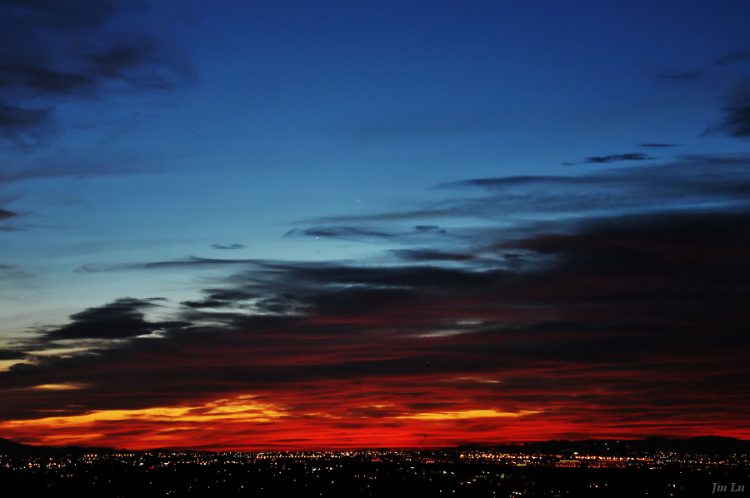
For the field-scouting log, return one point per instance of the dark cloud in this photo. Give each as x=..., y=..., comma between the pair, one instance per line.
x=723, y=177
x=736, y=114
x=20, y=124
x=661, y=244
x=364, y=233
x=227, y=246
x=433, y=212
x=189, y=262
x=39, y=79
x=9, y=354
x=52, y=14
x=120, y=319
x=656, y=145
x=612, y=158
x=430, y=229
x=736, y=121
x=513, y=207
x=728, y=59
x=522, y=203
x=51, y=52
x=733, y=57
x=141, y=64
x=431, y=255
x=340, y=232
x=117, y=60
x=12, y=272
x=6, y=214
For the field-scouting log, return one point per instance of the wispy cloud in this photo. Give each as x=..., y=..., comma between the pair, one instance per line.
x=40, y=66
x=697, y=73
x=515, y=202
x=188, y=262
x=613, y=158
x=227, y=247
x=657, y=145
x=20, y=124
x=681, y=76
x=733, y=57
x=6, y=214
x=736, y=119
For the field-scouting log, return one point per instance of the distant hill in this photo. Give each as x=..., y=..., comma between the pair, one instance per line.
x=704, y=444
x=8, y=447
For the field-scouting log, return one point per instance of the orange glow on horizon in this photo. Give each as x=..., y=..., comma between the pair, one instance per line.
x=69, y=386
x=467, y=414
x=330, y=419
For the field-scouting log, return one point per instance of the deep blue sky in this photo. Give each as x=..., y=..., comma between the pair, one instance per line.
x=291, y=110
x=141, y=141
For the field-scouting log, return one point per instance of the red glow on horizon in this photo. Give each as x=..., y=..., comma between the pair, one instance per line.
x=356, y=419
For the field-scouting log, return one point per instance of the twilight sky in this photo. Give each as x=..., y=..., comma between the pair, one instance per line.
x=345, y=224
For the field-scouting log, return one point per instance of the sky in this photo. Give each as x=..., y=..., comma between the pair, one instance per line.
x=307, y=225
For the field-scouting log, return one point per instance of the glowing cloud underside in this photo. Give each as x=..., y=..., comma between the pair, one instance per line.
x=237, y=409
x=468, y=414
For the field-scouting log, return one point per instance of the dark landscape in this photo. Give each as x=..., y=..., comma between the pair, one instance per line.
x=654, y=467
